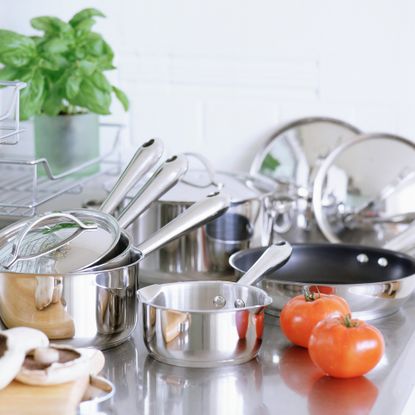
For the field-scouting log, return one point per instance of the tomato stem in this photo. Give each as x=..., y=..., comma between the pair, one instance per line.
x=310, y=296
x=348, y=322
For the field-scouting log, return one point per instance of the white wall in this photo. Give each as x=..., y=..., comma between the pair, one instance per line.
x=217, y=76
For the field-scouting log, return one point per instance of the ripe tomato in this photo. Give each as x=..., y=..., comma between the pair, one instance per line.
x=242, y=321
x=297, y=370
x=303, y=312
x=330, y=396
x=259, y=324
x=344, y=347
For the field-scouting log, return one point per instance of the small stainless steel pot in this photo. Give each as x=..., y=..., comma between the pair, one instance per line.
x=205, y=251
x=208, y=323
x=91, y=308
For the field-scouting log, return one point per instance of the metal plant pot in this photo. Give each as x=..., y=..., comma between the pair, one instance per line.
x=67, y=141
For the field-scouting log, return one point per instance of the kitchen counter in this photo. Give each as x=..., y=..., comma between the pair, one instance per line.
x=281, y=380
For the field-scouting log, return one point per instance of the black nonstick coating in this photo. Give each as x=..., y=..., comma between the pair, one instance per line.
x=333, y=264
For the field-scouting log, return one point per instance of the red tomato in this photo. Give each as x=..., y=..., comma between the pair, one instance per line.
x=297, y=370
x=344, y=347
x=242, y=321
x=322, y=289
x=303, y=312
x=330, y=396
x=259, y=324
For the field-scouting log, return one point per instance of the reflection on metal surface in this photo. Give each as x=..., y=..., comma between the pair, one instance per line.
x=292, y=156
x=145, y=386
x=181, y=326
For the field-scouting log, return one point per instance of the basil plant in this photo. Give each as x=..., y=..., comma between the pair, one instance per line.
x=64, y=68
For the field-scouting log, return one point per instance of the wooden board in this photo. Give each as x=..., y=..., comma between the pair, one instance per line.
x=20, y=399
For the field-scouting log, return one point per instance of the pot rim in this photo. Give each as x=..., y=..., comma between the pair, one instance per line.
x=267, y=298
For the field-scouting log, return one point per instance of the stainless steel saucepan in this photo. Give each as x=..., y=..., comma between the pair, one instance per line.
x=208, y=323
x=95, y=308
x=74, y=239
x=69, y=241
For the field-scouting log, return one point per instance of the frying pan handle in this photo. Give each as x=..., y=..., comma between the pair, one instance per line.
x=164, y=179
x=273, y=256
x=196, y=215
x=143, y=160
x=31, y=225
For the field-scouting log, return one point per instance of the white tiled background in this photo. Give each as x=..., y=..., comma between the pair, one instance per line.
x=217, y=76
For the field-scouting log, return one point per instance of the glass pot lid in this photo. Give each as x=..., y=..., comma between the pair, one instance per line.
x=364, y=190
x=199, y=182
x=295, y=150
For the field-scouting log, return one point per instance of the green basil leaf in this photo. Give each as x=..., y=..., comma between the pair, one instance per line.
x=94, y=44
x=55, y=45
x=100, y=81
x=53, y=102
x=84, y=15
x=72, y=86
x=50, y=24
x=122, y=97
x=8, y=73
x=31, y=97
x=53, y=63
x=92, y=98
x=86, y=67
x=15, y=49
x=85, y=25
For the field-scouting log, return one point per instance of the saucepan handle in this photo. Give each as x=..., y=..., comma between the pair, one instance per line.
x=143, y=160
x=196, y=215
x=273, y=256
x=163, y=179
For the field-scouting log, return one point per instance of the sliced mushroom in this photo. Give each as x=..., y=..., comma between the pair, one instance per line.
x=54, y=365
x=14, y=344
x=45, y=287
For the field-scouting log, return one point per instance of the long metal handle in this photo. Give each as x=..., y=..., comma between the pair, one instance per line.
x=196, y=215
x=164, y=179
x=273, y=256
x=16, y=248
x=143, y=160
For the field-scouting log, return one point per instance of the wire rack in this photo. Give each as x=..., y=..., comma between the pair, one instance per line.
x=27, y=183
x=9, y=111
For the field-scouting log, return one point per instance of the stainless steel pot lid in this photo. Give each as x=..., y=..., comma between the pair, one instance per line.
x=58, y=242
x=294, y=151
x=364, y=190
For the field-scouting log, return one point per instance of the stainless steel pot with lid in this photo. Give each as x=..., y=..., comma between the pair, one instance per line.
x=205, y=252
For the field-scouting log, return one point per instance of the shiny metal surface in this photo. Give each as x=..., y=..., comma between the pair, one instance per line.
x=94, y=308
x=279, y=381
x=353, y=203
x=377, y=290
x=143, y=160
x=292, y=156
x=208, y=323
x=205, y=250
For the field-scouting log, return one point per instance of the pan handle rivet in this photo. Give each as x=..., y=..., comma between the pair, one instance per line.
x=362, y=258
x=383, y=262
x=239, y=303
x=219, y=301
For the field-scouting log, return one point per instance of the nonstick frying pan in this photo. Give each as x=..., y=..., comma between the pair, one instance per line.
x=375, y=282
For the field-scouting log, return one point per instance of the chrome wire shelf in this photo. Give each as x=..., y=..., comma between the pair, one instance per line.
x=26, y=184
x=10, y=111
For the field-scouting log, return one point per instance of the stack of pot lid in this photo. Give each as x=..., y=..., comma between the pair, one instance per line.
x=370, y=200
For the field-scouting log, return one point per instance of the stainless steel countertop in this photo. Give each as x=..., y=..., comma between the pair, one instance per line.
x=278, y=381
